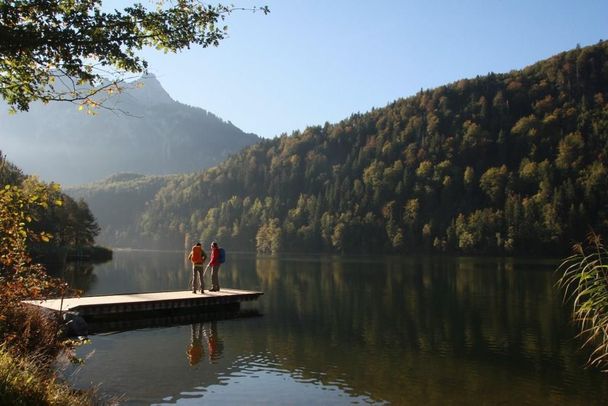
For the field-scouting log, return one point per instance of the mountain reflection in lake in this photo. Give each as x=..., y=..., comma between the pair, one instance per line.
x=413, y=330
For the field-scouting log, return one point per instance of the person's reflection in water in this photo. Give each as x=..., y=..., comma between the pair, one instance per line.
x=195, y=351
x=215, y=346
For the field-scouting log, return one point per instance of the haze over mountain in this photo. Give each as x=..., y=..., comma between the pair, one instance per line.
x=158, y=136
x=117, y=203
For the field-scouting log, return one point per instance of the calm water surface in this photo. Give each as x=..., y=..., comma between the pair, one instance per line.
x=345, y=330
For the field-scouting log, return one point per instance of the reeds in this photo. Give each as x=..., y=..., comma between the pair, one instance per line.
x=585, y=284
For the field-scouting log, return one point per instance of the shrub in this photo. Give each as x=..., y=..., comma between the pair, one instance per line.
x=28, y=329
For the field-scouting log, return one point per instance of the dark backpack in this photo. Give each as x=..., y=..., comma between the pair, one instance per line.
x=222, y=255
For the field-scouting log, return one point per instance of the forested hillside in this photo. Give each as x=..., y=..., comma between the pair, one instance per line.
x=142, y=130
x=505, y=163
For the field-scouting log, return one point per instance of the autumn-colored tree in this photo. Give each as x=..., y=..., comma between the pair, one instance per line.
x=20, y=277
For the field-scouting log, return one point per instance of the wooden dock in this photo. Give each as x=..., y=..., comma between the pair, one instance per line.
x=134, y=304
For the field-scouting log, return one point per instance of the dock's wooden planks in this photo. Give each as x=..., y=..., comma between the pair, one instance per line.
x=142, y=302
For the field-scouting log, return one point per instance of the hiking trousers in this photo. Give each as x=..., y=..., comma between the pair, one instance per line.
x=197, y=277
x=215, y=280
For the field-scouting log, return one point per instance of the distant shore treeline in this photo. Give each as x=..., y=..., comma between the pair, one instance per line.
x=511, y=163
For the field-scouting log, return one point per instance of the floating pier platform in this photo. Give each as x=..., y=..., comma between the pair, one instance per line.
x=133, y=305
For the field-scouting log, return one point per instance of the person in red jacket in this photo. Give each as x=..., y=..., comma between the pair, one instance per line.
x=214, y=263
x=197, y=256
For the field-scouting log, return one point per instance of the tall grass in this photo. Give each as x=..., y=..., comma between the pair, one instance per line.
x=23, y=382
x=585, y=284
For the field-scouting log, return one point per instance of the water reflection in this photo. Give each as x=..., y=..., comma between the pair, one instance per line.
x=215, y=344
x=396, y=330
x=206, y=332
x=154, y=366
x=169, y=320
x=77, y=274
x=453, y=327
x=195, y=350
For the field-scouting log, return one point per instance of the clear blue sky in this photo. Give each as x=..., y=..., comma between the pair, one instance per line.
x=309, y=62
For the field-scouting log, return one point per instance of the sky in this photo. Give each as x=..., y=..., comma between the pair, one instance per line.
x=311, y=62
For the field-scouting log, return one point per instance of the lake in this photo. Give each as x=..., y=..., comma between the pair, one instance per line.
x=344, y=330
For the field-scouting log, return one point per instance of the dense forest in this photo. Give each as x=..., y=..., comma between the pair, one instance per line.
x=67, y=224
x=504, y=163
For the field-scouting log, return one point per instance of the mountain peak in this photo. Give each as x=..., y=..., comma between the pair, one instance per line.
x=149, y=90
